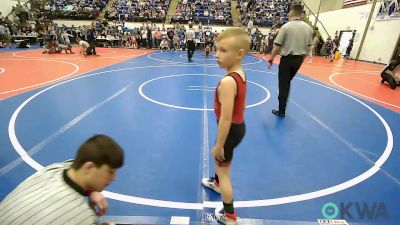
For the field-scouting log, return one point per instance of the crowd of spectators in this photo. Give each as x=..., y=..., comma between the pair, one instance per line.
x=111, y=31
x=74, y=9
x=267, y=13
x=148, y=36
x=23, y=26
x=206, y=12
x=138, y=11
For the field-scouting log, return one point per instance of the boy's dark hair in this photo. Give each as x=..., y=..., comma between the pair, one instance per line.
x=99, y=149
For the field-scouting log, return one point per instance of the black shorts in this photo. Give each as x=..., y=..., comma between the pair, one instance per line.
x=235, y=136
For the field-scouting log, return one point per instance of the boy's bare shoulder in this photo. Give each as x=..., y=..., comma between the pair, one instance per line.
x=241, y=73
x=227, y=80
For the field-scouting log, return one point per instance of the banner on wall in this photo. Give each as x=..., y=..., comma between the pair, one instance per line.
x=388, y=10
x=347, y=3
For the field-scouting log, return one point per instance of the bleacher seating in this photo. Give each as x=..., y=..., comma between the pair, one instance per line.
x=266, y=13
x=206, y=12
x=74, y=9
x=139, y=11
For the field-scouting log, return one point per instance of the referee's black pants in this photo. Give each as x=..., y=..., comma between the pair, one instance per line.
x=92, y=48
x=191, y=47
x=288, y=68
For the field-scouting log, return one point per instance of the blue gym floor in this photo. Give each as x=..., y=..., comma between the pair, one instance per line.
x=334, y=155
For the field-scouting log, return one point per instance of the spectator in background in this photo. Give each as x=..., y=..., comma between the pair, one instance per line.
x=349, y=47
x=3, y=34
x=164, y=45
x=250, y=25
x=190, y=42
x=84, y=46
x=313, y=46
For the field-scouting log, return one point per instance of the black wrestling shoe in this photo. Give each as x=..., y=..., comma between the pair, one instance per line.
x=278, y=113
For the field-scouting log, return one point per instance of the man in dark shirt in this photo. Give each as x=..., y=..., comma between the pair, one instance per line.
x=91, y=39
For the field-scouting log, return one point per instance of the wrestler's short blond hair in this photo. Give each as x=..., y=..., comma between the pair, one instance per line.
x=242, y=40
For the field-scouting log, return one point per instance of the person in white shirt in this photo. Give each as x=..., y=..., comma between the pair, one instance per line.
x=65, y=37
x=84, y=46
x=250, y=25
x=144, y=38
x=190, y=42
x=164, y=44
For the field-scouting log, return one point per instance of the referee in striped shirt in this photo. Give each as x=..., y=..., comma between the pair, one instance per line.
x=57, y=194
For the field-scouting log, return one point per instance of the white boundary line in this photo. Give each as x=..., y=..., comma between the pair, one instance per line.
x=334, y=189
x=206, y=148
x=336, y=67
x=250, y=203
x=16, y=54
x=51, y=60
x=198, y=64
x=47, y=82
x=354, y=92
x=185, y=57
x=342, y=73
x=192, y=108
x=38, y=147
x=199, y=89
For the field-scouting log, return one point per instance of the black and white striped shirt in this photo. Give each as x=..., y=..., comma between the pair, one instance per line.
x=47, y=197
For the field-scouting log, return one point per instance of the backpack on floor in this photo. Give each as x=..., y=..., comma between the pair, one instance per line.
x=391, y=79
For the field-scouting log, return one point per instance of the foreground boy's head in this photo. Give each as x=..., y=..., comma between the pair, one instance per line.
x=232, y=46
x=97, y=161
